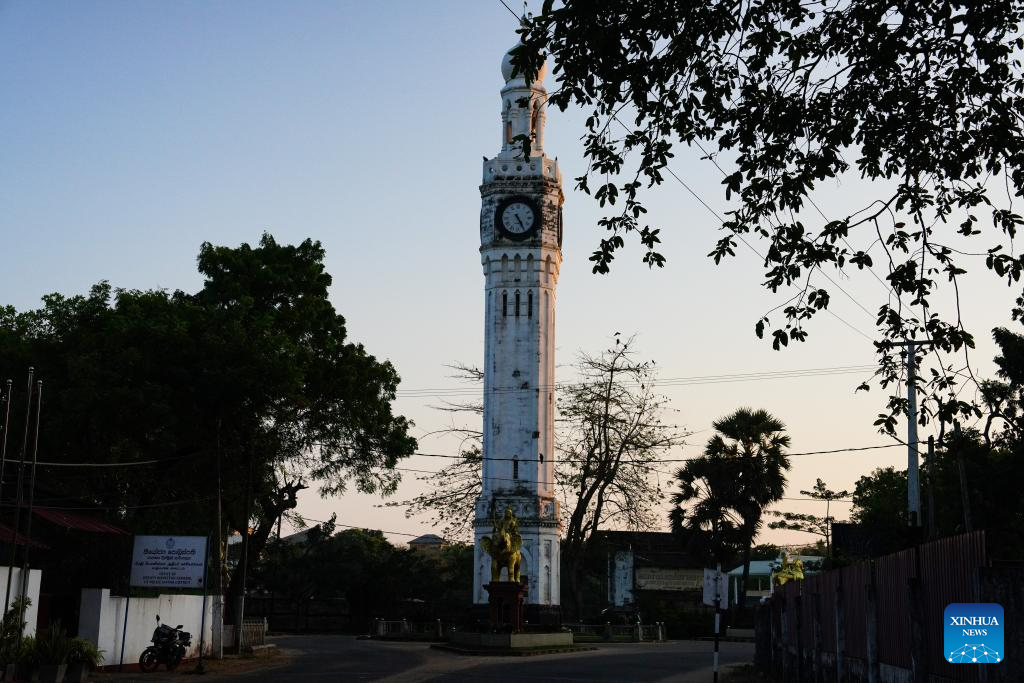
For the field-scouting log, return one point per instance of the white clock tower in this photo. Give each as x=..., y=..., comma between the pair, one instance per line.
x=520, y=249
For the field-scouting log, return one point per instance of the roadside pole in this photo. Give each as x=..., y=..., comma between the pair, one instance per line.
x=718, y=613
x=200, y=669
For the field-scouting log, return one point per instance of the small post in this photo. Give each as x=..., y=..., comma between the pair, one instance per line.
x=818, y=671
x=776, y=626
x=965, y=496
x=931, y=487
x=918, y=650
x=200, y=669
x=124, y=629
x=872, y=629
x=800, y=635
x=840, y=631
x=784, y=631
x=718, y=613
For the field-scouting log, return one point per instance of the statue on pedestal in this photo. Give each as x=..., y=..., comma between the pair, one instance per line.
x=506, y=598
x=503, y=545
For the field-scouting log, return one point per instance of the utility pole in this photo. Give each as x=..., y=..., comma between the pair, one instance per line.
x=965, y=496
x=931, y=487
x=913, y=466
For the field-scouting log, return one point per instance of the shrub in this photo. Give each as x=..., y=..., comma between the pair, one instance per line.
x=52, y=645
x=11, y=629
x=84, y=652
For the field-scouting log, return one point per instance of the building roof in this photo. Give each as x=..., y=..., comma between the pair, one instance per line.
x=71, y=520
x=764, y=567
x=427, y=539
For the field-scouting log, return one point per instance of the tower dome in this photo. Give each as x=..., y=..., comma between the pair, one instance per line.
x=506, y=67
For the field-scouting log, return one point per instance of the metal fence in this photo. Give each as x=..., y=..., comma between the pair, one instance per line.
x=254, y=633
x=637, y=632
x=888, y=611
x=403, y=628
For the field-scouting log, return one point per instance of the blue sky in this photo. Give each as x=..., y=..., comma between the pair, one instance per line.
x=132, y=132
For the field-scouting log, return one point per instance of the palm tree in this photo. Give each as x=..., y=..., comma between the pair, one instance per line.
x=726, y=491
x=701, y=508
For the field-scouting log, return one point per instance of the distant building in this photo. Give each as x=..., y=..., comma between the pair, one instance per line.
x=650, y=562
x=759, y=579
x=427, y=543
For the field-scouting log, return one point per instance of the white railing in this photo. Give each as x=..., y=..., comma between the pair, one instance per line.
x=383, y=628
x=254, y=633
x=637, y=632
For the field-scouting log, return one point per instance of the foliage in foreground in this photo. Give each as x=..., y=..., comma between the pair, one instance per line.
x=924, y=101
x=250, y=383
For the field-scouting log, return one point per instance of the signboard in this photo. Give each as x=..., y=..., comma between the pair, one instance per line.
x=715, y=581
x=663, y=579
x=169, y=561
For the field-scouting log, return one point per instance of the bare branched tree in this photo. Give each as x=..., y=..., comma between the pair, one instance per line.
x=452, y=490
x=611, y=438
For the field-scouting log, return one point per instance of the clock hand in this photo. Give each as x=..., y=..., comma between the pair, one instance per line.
x=516, y=216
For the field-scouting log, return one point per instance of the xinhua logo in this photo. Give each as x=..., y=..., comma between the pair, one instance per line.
x=973, y=633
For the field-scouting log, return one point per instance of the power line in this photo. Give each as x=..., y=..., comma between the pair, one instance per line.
x=527, y=480
x=511, y=11
x=751, y=247
x=669, y=382
x=851, y=449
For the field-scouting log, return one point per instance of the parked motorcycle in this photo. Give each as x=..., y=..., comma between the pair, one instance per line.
x=168, y=648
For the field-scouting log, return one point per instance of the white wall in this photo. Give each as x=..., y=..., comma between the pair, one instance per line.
x=34, y=577
x=102, y=621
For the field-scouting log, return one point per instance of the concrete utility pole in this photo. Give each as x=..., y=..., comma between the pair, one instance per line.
x=913, y=468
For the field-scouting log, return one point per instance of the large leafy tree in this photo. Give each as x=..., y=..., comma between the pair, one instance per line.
x=251, y=382
x=923, y=100
x=726, y=491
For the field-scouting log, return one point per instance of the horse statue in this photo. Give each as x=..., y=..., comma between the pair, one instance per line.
x=503, y=546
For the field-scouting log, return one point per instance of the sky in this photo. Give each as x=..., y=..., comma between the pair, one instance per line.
x=130, y=133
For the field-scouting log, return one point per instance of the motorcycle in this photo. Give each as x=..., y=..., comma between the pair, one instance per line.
x=168, y=648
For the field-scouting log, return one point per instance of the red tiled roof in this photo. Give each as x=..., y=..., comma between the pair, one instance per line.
x=8, y=535
x=70, y=520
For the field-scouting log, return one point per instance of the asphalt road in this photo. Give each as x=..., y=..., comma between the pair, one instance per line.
x=343, y=658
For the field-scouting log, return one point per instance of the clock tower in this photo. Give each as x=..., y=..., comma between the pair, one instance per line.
x=520, y=250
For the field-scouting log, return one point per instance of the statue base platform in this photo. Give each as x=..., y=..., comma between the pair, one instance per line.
x=505, y=600
x=510, y=643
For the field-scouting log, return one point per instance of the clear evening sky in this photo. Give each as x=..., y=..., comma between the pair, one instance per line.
x=132, y=132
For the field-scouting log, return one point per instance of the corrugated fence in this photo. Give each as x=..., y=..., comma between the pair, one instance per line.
x=831, y=611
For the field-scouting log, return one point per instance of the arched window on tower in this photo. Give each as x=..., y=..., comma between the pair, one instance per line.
x=508, y=122
x=504, y=304
x=535, y=122
x=529, y=304
x=517, y=303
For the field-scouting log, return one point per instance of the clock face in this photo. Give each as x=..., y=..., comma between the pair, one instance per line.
x=517, y=217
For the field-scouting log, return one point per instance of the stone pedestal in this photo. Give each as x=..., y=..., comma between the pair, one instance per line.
x=506, y=599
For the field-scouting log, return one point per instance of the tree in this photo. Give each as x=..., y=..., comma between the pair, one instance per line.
x=612, y=438
x=451, y=492
x=742, y=473
x=880, y=509
x=812, y=524
x=765, y=551
x=785, y=97
x=703, y=515
x=251, y=381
